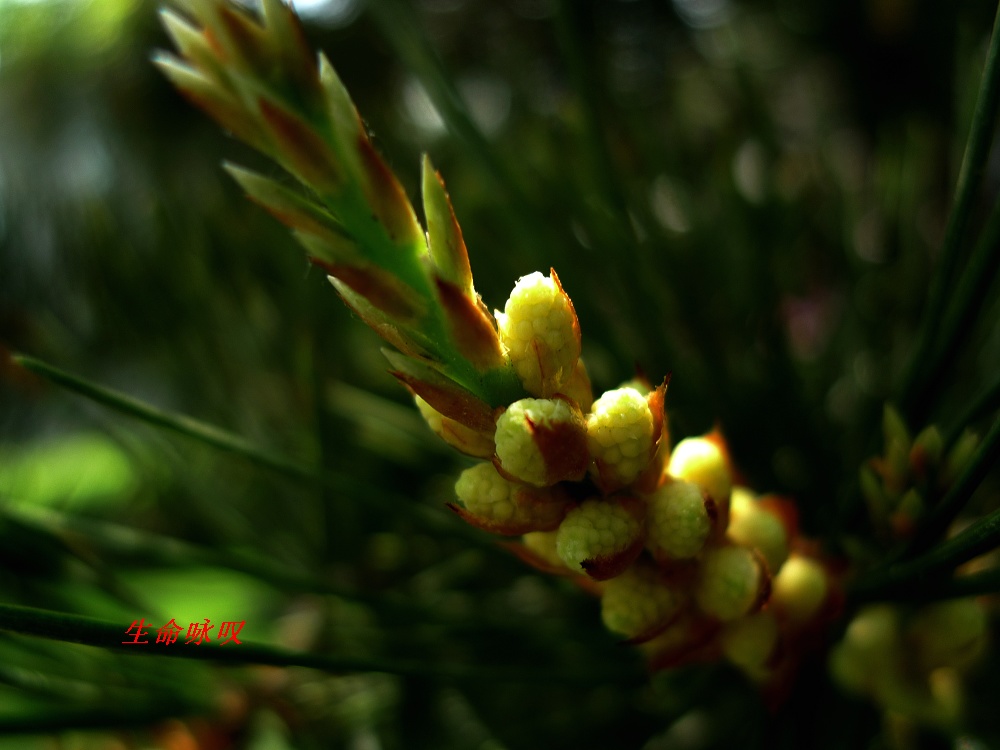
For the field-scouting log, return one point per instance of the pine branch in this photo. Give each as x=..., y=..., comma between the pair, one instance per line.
x=896, y=579
x=973, y=167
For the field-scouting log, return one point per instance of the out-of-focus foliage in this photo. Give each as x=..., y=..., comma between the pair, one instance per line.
x=749, y=195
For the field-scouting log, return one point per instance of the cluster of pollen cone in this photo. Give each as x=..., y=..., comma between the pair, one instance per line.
x=684, y=562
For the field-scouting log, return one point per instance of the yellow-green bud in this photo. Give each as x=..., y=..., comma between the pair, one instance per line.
x=454, y=433
x=749, y=642
x=799, y=589
x=752, y=526
x=638, y=602
x=496, y=504
x=950, y=634
x=620, y=436
x=868, y=655
x=638, y=383
x=484, y=492
x=543, y=545
x=542, y=441
x=539, y=327
x=701, y=461
x=600, y=537
x=896, y=457
x=678, y=521
x=908, y=511
x=731, y=583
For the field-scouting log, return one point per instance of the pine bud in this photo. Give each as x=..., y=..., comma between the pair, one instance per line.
x=799, y=589
x=751, y=525
x=638, y=603
x=850, y=669
x=701, y=461
x=540, y=329
x=542, y=441
x=620, y=436
x=732, y=582
x=601, y=537
x=749, y=642
x=679, y=521
x=949, y=634
x=926, y=452
x=543, y=545
x=909, y=510
x=868, y=654
x=454, y=433
x=639, y=383
x=896, y=458
x=503, y=507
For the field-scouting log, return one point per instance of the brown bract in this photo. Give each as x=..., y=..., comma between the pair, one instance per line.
x=386, y=197
x=472, y=329
x=298, y=146
x=444, y=235
x=576, y=321
x=452, y=401
x=764, y=590
x=381, y=289
x=545, y=511
x=659, y=453
x=442, y=393
x=563, y=445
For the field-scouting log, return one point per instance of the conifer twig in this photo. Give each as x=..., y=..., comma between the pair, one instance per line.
x=979, y=538
x=936, y=524
x=970, y=175
x=258, y=77
x=984, y=583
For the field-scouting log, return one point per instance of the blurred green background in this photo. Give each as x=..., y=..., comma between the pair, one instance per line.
x=748, y=195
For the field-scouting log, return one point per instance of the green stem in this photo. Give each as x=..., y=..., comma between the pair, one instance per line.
x=898, y=578
x=984, y=583
x=90, y=631
x=342, y=485
x=970, y=175
x=941, y=515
